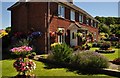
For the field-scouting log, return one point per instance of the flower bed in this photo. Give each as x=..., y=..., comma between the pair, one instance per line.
x=116, y=61
x=105, y=51
x=61, y=53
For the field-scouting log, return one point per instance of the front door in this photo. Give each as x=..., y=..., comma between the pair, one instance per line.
x=73, y=37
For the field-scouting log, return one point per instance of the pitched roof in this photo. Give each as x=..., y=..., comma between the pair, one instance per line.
x=63, y=2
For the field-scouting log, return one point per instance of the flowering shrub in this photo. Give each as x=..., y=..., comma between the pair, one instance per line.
x=87, y=59
x=21, y=51
x=79, y=34
x=52, y=34
x=54, y=44
x=3, y=33
x=22, y=66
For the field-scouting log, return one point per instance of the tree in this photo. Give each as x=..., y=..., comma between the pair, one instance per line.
x=100, y=19
x=105, y=29
x=8, y=29
x=109, y=20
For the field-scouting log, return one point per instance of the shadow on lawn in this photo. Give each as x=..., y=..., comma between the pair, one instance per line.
x=76, y=69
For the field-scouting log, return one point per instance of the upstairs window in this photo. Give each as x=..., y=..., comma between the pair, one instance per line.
x=72, y=15
x=95, y=24
x=80, y=18
x=87, y=21
x=92, y=23
x=61, y=11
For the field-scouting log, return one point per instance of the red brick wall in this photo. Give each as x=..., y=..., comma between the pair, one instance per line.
x=32, y=15
x=67, y=13
x=19, y=18
x=76, y=16
x=37, y=18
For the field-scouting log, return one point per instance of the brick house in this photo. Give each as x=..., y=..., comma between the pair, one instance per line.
x=51, y=18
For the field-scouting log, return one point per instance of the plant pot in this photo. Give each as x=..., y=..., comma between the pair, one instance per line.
x=24, y=76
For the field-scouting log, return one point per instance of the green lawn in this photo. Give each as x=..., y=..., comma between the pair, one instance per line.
x=41, y=70
x=110, y=56
x=8, y=70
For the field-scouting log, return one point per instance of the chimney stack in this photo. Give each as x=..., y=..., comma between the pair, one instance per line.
x=71, y=1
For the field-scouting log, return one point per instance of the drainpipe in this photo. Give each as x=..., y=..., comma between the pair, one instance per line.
x=48, y=28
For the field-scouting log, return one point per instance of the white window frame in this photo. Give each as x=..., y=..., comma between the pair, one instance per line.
x=61, y=38
x=61, y=11
x=95, y=24
x=87, y=21
x=95, y=35
x=72, y=15
x=81, y=18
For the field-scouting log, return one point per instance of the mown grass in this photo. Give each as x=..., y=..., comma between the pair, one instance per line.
x=110, y=56
x=42, y=70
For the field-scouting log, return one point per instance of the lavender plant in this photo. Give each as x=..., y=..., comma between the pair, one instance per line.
x=89, y=59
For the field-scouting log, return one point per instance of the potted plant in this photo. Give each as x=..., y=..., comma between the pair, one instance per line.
x=22, y=64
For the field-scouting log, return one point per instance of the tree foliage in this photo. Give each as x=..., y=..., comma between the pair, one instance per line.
x=109, y=25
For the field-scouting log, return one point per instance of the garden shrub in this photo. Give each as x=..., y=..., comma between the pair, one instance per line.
x=86, y=47
x=105, y=45
x=96, y=44
x=88, y=59
x=61, y=53
x=117, y=45
x=116, y=61
x=77, y=48
x=22, y=42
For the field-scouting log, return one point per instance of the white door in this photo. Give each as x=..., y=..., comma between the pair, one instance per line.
x=73, y=38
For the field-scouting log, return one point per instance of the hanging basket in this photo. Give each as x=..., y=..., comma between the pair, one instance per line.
x=60, y=32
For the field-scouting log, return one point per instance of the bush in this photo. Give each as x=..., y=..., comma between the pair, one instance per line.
x=61, y=53
x=117, y=45
x=77, y=48
x=96, y=44
x=31, y=56
x=87, y=59
x=86, y=47
x=105, y=45
x=22, y=42
x=116, y=61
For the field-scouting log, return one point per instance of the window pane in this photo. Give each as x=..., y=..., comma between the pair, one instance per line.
x=81, y=18
x=72, y=15
x=61, y=11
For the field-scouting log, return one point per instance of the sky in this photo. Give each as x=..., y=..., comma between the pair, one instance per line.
x=106, y=9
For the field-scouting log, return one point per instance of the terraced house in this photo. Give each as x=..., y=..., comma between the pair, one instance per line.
x=58, y=21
